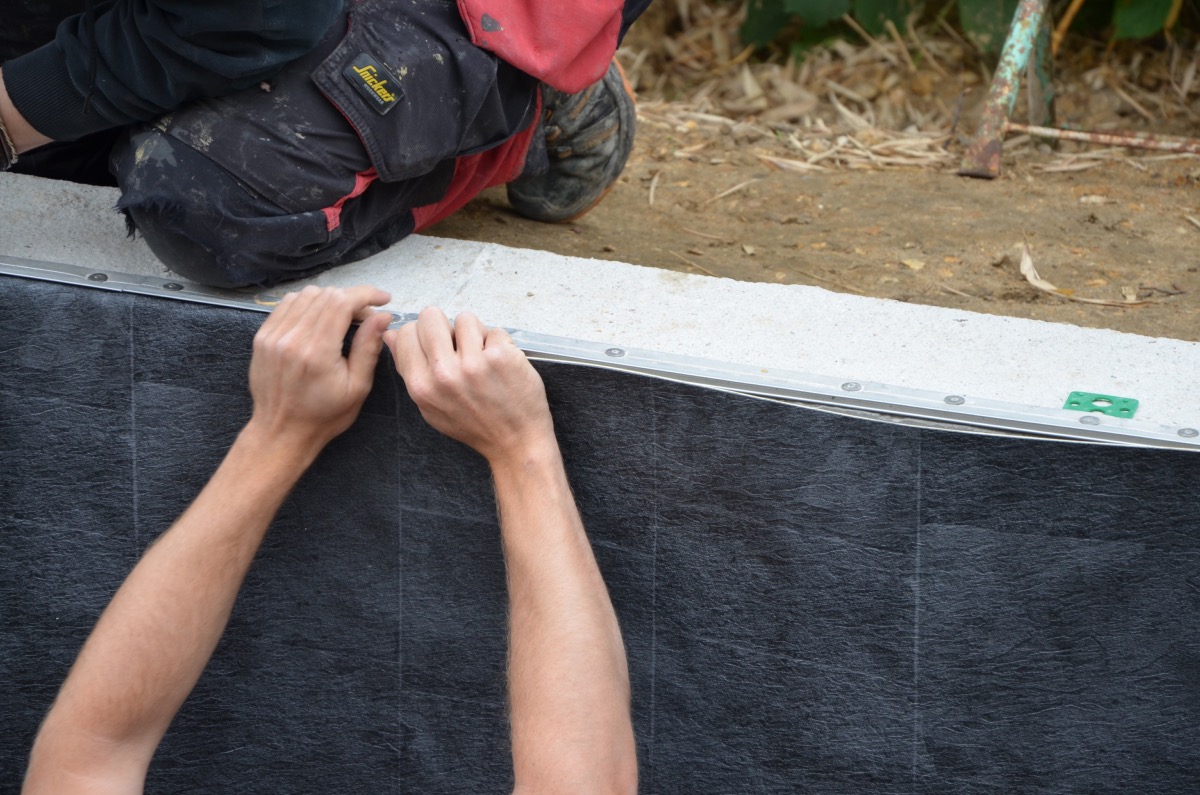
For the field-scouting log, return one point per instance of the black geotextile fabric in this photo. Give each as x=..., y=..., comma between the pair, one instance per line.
x=811, y=603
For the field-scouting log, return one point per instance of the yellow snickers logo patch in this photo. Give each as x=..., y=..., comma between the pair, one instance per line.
x=371, y=79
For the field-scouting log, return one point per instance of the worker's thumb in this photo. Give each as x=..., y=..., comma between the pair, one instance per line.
x=364, y=350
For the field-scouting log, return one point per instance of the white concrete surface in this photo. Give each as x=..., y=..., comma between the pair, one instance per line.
x=782, y=327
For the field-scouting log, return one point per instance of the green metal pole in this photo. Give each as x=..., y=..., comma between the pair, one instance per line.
x=982, y=158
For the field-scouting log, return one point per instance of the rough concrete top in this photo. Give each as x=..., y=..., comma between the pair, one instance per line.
x=783, y=327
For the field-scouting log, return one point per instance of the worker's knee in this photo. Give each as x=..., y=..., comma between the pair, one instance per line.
x=169, y=232
x=207, y=226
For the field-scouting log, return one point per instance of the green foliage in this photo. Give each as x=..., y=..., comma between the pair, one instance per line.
x=985, y=22
x=1137, y=19
x=817, y=13
x=765, y=20
x=873, y=15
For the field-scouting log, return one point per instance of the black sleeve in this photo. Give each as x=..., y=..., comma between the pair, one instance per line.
x=138, y=59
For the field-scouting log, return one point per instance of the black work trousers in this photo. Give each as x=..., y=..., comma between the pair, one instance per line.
x=324, y=163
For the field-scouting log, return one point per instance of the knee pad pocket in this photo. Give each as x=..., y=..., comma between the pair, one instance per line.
x=418, y=91
x=206, y=226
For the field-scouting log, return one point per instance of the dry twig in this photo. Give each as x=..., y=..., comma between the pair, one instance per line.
x=950, y=289
x=731, y=191
x=1060, y=31
x=871, y=40
x=920, y=45
x=900, y=45
x=837, y=284
x=700, y=268
x=706, y=235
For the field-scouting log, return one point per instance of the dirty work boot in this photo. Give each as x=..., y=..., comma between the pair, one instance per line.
x=588, y=139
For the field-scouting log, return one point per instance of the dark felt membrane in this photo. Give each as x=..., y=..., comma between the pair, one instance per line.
x=811, y=603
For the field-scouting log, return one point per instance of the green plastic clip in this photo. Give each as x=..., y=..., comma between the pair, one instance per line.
x=1111, y=405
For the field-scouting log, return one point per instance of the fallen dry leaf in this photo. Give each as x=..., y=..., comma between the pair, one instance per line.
x=912, y=264
x=1031, y=275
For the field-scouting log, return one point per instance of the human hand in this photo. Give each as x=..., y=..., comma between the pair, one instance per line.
x=475, y=385
x=305, y=392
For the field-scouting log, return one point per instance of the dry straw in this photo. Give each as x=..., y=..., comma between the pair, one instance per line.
x=904, y=100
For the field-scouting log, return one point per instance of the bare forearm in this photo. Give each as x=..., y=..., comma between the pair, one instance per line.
x=22, y=133
x=568, y=678
x=156, y=636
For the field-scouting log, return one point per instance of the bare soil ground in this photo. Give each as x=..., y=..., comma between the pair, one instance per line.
x=839, y=172
x=925, y=236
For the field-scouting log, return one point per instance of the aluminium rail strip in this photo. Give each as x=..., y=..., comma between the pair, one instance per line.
x=848, y=396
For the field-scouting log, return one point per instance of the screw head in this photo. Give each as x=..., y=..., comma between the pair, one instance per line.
x=97, y=277
x=1090, y=419
x=955, y=400
x=852, y=386
x=173, y=286
x=1189, y=433
x=615, y=352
